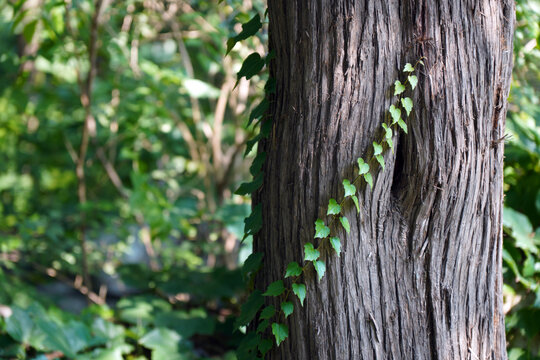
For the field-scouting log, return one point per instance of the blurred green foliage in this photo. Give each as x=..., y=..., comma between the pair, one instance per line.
x=521, y=253
x=160, y=226
x=158, y=223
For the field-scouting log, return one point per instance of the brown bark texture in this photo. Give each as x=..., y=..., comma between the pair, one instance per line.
x=420, y=272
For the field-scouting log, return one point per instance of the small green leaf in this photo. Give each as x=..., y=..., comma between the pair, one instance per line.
x=387, y=131
x=257, y=163
x=390, y=143
x=413, y=80
x=262, y=326
x=300, y=291
x=321, y=230
x=407, y=104
x=355, y=199
x=275, y=289
x=265, y=128
x=250, y=187
x=270, y=87
x=253, y=223
x=248, y=29
x=264, y=346
x=395, y=113
x=251, y=143
x=251, y=66
x=247, y=346
x=345, y=222
x=377, y=149
x=293, y=269
x=402, y=125
x=287, y=307
x=271, y=55
x=258, y=111
x=363, y=168
x=252, y=264
x=29, y=30
x=369, y=179
x=320, y=267
x=380, y=159
x=310, y=253
x=408, y=68
x=421, y=62
x=333, y=208
x=280, y=331
x=250, y=308
x=399, y=87
x=336, y=244
x=388, y=136
x=350, y=189
x=267, y=312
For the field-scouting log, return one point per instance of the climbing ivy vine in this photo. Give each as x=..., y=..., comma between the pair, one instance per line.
x=255, y=345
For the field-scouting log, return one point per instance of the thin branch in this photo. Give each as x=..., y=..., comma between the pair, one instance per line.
x=111, y=172
x=89, y=129
x=75, y=284
x=219, y=115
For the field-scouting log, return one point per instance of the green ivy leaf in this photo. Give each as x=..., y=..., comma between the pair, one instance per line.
x=388, y=136
x=407, y=104
x=310, y=253
x=350, y=189
x=248, y=29
x=355, y=199
x=270, y=87
x=250, y=187
x=399, y=87
x=293, y=269
x=345, y=222
x=251, y=66
x=380, y=159
x=413, y=80
x=247, y=346
x=252, y=264
x=258, y=111
x=333, y=208
x=387, y=131
x=408, y=68
x=287, y=307
x=271, y=55
x=267, y=312
x=300, y=291
x=369, y=179
x=402, y=125
x=336, y=244
x=29, y=30
x=264, y=346
x=262, y=326
x=390, y=144
x=377, y=149
x=320, y=267
x=257, y=163
x=395, y=113
x=363, y=168
x=280, y=331
x=251, y=143
x=321, y=230
x=249, y=308
x=253, y=223
x=275, y=289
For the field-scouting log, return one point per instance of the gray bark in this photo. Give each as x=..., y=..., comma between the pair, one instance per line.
x=420, y=273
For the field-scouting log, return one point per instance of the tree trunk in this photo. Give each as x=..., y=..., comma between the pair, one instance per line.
x=420, y=272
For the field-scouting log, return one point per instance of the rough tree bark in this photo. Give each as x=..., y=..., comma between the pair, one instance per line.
x=420, y=273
